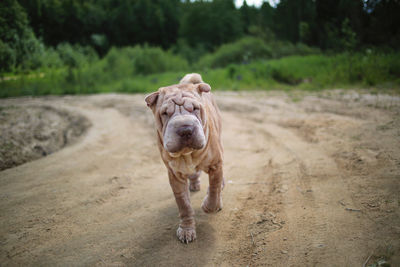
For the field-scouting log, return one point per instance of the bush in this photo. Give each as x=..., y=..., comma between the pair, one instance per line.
x=51, y=59
x=192, y=54
x=250, y=49
x=142, y=60
x=283, y=76
x=33, y=53
x=149, y=60
x=283, y=49
x=240, y=52
x=126, y=70
x=74, y=56
x=7, y=57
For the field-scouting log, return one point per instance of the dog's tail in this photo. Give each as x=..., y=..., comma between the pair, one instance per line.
x=192, y=78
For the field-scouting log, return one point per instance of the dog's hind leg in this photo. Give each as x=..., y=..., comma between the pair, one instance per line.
x=194, y=181
x=213, y=200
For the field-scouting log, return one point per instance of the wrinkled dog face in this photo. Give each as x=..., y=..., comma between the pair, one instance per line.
x=180, y=118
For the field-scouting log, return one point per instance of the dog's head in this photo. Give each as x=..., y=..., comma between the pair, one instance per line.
x=180, y=116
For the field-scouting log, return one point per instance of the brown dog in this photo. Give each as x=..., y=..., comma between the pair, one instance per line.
x=188, y=126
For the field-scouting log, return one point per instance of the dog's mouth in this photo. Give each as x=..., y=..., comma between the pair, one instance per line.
x=183, y=135
x=184, y=152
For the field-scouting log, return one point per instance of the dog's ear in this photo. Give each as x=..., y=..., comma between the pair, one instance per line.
x=151, y=99
x=203, y=88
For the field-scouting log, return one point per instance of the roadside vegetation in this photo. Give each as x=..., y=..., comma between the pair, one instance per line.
x=144, y=69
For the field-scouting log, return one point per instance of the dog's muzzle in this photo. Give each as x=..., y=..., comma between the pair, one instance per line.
x=184, y=131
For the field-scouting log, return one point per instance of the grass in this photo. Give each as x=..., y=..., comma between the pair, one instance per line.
x=311, y=72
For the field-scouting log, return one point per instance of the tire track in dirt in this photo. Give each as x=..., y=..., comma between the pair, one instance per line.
x=318, y=228
x=281, y=171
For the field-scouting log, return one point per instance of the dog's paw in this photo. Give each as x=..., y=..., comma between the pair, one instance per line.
x=209, y=206
x=194, y=186
x=186, y=235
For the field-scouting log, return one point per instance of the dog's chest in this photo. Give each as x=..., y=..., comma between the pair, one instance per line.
x=183, y=164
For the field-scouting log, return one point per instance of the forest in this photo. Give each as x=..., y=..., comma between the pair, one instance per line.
x=76, y=46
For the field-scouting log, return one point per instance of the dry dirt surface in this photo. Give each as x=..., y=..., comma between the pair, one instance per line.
x=31, y=132
x=311, y=180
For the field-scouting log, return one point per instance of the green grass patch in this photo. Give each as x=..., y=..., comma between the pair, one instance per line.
x=117, y=73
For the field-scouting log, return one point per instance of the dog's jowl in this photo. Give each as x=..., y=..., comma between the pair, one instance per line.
x=188, y=125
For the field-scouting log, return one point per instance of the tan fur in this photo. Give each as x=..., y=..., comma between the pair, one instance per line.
x=191, y=78
x=187, y=164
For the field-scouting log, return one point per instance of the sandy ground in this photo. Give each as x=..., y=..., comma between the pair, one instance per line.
x=311, y=180
x=31, y=132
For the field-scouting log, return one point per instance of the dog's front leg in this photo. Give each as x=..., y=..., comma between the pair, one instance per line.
x=187, y=229
x=213, y=200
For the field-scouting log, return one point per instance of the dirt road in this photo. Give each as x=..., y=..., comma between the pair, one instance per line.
x=310, y=181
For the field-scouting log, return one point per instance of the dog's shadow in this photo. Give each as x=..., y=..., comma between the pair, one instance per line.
x=164, y=249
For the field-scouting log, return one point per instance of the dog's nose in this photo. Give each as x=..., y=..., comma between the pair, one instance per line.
x=185, y=131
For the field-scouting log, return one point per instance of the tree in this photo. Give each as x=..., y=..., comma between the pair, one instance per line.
x=382, y=23
x=18, y=44
x=249, y=16
x=210, y=23
x=337, y=20
x=288, y=16
x=266, y=15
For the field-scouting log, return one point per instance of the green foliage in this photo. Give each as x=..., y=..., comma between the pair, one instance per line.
x=75, y=56
x=81, y=72
x=349, y=37
x=105, y=23
x=19, y=46
x=192, y=54
x=143, y=60
x=149, y=60
x=210, y=23
x=283, y=76
x=117, y=73
x=317, y=71
x=291, y=16
x=249, y=49
x=205, y=25
x=304, y=32
x=50, y=59
x=243, y=51
x=284, y=49
x=8, y=57
x=100, y=42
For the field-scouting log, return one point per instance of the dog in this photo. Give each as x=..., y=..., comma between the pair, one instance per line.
x=188, y=124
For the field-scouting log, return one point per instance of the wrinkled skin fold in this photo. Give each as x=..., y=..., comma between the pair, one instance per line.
x=188, y=125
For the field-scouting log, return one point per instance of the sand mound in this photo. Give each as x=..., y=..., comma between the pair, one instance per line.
x=32, y=132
